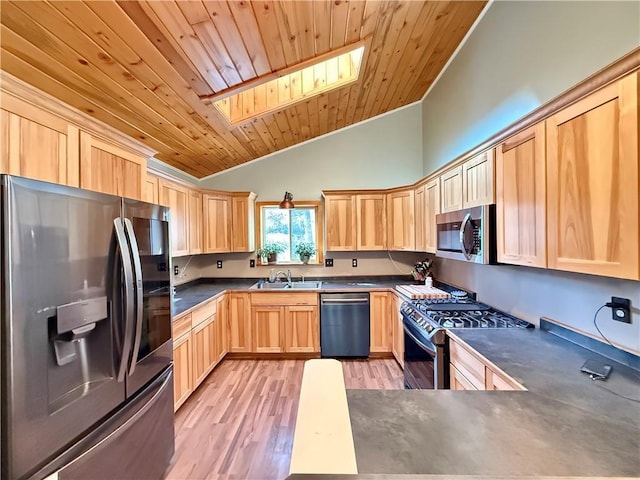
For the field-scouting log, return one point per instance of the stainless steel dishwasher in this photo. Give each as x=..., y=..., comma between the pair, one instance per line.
x=344, y=324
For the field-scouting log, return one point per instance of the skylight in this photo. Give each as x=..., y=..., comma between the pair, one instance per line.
x=295, y=84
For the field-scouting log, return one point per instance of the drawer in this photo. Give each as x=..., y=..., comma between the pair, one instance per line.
x=499, y=381
x=181, y=326
x=468, y=364
x=459, y=381
x=282, y=298
x=202, y=313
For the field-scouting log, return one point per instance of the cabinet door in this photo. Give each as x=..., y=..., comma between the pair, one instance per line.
x=301, y=329
x=222, y=327
x=381, y=322
x=203, y=338
x=477, y=180
x=182, y=370
x=398, y=333
x=371, y=222
x=451, y=189
x=267, y=329
x=151, y=189
x=592, y=184
x=217, y=223
x=421, y=219
x=340, y=219
x=520, y=199
x=400, y=221
x=239, y=322
x=195, y=222
x=37, y=144
x=243, y=222
x=458, y=381
x=176, y=198
x=107, y=168
x=431, y=209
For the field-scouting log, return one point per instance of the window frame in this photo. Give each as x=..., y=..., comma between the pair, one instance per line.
x=318, y=207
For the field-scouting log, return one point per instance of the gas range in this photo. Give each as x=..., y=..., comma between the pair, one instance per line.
x=434, y=315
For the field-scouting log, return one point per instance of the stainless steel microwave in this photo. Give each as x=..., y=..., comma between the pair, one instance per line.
x=467, y=235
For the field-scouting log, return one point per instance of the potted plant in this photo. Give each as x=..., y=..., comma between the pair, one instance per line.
x=268, y=252
x=305, y=250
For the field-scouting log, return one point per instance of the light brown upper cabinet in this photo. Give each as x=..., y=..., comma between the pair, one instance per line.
x=592, y=183
x=176, y=197
x=431, y=209
x=477, y=180
x=371, y=232
x=37, y=144
x=108, y=168
x=151, y=189
x=421, y=218
x=340, y=217
x=400, y=220
x=243, y=207
x=451, y=189
x=217, y=223
x=195, y=222
x=520, y=198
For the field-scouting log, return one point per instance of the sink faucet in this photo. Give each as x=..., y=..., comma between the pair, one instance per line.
x=288, y=275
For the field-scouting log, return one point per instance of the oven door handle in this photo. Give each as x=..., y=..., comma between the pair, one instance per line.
x=420, y=343
x=463, y=227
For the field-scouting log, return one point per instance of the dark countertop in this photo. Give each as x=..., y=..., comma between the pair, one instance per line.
x=566, y=424
x=194, y=293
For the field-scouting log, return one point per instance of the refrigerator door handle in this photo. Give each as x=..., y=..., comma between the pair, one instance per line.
x=139, y=294
x=128, y=296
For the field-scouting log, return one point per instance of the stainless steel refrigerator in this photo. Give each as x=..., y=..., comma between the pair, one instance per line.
x=86, y=353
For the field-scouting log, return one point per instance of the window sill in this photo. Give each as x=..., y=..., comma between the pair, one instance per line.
x=292, y=263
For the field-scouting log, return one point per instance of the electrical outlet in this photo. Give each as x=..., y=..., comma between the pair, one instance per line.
x=219, y=263
x=620, y=309
x=252, y=263
x=328, y=262
x=354, y=262
x=176, y=270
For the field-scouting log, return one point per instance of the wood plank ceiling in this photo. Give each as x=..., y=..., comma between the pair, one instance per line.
x=147, y=67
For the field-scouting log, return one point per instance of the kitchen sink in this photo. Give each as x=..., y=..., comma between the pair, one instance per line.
x=285, y=285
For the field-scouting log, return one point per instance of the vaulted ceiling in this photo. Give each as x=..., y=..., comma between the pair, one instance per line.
x=152, y=69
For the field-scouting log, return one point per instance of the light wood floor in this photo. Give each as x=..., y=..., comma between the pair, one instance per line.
x=240, y=422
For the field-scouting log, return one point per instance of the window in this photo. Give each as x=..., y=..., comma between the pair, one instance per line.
x=290, y=227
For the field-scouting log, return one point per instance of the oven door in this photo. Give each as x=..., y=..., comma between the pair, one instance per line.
x=424, y=362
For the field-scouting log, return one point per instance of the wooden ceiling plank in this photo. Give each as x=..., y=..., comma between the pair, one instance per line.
x=343, y=105
x=176, y=29
x=152, y=88
x=245, y=18
x=194, y=11
x=226, y=25
x=339, y=15
x=274, y=131
x=314, y=116
x=251, y=136
x=306, y=32
x=265, y=15
x=401, y=29
x=124, y=104
x=333, y=102
x=355, y=20
x=285, y=19
x=294, y=124
x=322, y=26
x=323, y=113
x=303, y=121
x=214, y=46
x=265, y=135
x=285, y=129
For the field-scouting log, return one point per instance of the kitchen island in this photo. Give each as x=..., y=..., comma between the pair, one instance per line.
x=564, y=425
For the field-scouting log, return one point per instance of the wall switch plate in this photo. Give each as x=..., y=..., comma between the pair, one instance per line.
x=176, y=270
x=219, y=264
x=621, y=309
x=252, y=263
x=328, y=262
x=354, y=262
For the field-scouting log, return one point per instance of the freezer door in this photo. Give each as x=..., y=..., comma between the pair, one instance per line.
x=147, y=228
x=58, y=319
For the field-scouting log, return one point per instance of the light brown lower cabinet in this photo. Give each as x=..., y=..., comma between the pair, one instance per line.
x=468, y=370
x=267, y=328
x=182, y=369
x=382, y=316
x=204, y=349
x=239, y=311
x=398, y=331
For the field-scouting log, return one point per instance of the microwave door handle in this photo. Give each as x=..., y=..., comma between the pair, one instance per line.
x=137, y=269
x=128, y=296
x=463, y=227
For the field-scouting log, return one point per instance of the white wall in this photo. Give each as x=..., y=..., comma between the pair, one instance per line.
x=521, y=55
x=382, y=152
